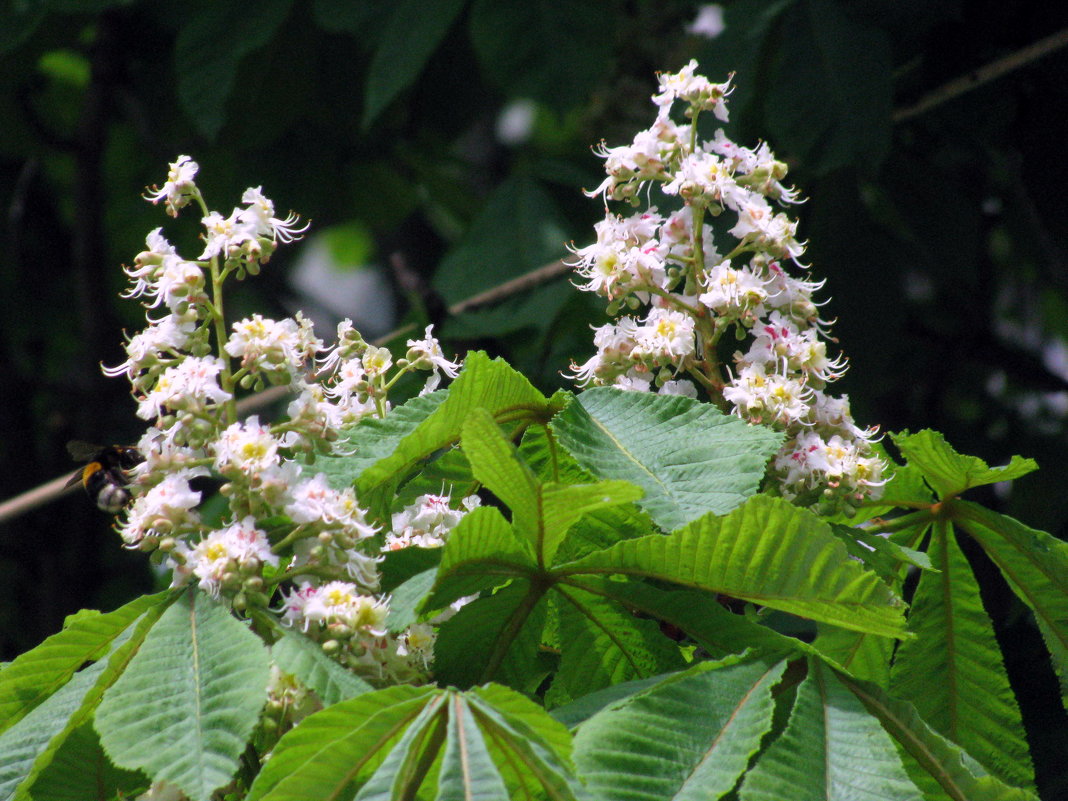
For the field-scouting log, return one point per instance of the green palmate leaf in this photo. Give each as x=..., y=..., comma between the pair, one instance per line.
x=322, y=756
x=210, y=46
x=27, y=747
x=602, y=528
x=86, y=636
x=296, y=654
x=688, y=456
x=373, y=439
x=1035, y=566
x=520, y=715
x=405, y=600
x=940, y=768
x=563, y=505
x=881, y=554
x=197, y=657
x=547, y=458
x=541, y=513
x=412, y=34
x=690, y=736
x=531, y=750
x=495, y=462
x=448, y=474
x=769, y=552
x=381, y=745
x=865, y=656
x=486, y=384
x=715, y=629
x=833, y=749
x=604, y=644
x=493, y=637
x=952, y=671
x=402, y=564
x=481, y=552
x=79, y=770
x=950, y=473
x=467, y=769
x=399, y=774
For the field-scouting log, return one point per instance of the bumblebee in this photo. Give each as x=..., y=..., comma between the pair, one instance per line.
x=105, y=477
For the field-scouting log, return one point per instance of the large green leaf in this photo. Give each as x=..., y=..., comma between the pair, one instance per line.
x=211, y=45
x=412, y=34
x=196, y=658
x=373, y=439
x=294, y=653
x=950, y=473
x=481, y=552
x=25, y=747
x=327, y=751
x=495, y=462
x=1035, y=566
x=493, y=637
x=541, y=513
x=86, y=636
x=467, y=769
x=690, y=736
x=940, y=768
x=29, y=748
x=688, y=456
x=383, y=743
x=766, y=551
x=865, y=656
x=952, y=671
x=80, y=770
x=833, y=749
x=717, y=630
x=486, y=384
x=603, y=644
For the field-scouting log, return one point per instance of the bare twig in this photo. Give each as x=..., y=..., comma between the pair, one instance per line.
x=985, y=74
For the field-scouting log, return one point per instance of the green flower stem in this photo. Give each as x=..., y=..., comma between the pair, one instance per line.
x=218, y=316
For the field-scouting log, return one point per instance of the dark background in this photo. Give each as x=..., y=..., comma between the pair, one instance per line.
x=937, y=216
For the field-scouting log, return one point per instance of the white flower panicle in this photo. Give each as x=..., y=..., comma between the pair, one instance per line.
x=282, y=523
x=427, y=521
x=697, y=288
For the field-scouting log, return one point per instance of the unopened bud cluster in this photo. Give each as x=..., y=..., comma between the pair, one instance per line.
x=282, y=523
x=710, y=274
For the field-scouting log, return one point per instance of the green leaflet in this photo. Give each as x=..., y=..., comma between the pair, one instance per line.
x=688, y=456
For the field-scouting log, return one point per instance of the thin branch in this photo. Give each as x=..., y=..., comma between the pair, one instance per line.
x=985, y=74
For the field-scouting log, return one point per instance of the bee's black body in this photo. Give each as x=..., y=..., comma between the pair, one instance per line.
x=105, y=477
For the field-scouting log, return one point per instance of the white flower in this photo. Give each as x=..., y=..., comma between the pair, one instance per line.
x=426, y=522
x=260, y=217
x=179, y=188
x=666, y=335
x=271, y=345
x=426, y=354
x=191, y=384
x=158, y=344
x=165, y=509
x=245, y=448
x=734, y=293
x=228, y=550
